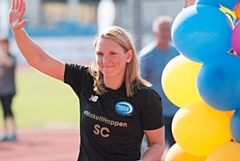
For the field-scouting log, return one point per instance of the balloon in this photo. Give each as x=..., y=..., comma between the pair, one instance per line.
x=198, y=128
x=236, y=39
x=237, y=10
x=208, y=2
x=230, y=14
x=218, y=82
x=197, y=34
x=225, y=152
x=230, y=113
x=176, y=153
x=230, y=4
x=234, y=126
x=179, y=81
x=106, y=13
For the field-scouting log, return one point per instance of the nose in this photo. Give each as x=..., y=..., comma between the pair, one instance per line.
x=105, y=59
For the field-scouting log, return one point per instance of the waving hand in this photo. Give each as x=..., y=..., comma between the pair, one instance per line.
x=32, y=52
x=16, y=14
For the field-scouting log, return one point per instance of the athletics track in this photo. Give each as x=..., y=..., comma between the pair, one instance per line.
x=42, y=145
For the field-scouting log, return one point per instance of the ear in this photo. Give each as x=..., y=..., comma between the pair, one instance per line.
x=129, y=55
x=155, y=34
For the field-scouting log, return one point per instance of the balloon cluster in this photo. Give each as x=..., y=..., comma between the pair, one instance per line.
x=204, y=82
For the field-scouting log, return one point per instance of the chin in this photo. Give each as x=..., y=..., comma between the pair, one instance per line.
x=108, y=75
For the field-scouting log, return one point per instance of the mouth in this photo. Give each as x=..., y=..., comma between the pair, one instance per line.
x=107, y=67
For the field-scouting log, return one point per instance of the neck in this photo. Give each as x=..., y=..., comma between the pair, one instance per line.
x=113, y=83
x=162, y=45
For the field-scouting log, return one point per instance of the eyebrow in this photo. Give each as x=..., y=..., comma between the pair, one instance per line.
x=98, y=52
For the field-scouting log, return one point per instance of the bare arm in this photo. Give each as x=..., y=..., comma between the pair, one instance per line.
x=156, y=144
x=33, y=53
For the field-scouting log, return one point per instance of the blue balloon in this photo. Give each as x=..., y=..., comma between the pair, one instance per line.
x=230, y=4
x=209, y=2
x=235, y=125
x=218, y=82
x=201, y=31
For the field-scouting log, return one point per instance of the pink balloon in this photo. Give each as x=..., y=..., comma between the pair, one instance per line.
x=236, y=39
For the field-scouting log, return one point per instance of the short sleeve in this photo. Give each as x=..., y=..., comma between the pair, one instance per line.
x=75, y=76
x=152, y=117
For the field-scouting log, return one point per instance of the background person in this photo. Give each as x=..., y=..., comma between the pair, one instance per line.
x=7, y=89
x=117, y=105
x=152, y=59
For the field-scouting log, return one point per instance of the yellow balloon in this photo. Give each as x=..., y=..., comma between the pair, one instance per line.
x=179, y=81
x=198, y=128
x=176, y=153
x=225, y=152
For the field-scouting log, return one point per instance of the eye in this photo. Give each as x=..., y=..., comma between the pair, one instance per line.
x=99, y=53
x=113, y=53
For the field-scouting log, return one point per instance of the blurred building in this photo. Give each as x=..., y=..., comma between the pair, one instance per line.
x=48, y=13
x=56, y=21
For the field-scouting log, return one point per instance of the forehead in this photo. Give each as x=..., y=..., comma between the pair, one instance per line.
x=164, y=24
x=107, y=43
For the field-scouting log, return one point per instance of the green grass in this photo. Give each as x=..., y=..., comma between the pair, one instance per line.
x=42, y=100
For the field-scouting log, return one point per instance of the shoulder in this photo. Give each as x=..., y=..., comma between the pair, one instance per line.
x=147, y=49
x=173, y=47
x=145, y=92
x=76, y=67
x=11, y=56
x=76, y=72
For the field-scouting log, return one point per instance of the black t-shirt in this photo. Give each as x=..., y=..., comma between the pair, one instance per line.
x=111, y=125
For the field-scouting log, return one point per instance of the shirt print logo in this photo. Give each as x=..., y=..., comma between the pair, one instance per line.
x=93, y=98
x=124, y=108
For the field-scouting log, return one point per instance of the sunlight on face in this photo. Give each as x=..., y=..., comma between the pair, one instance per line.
x=111, y=59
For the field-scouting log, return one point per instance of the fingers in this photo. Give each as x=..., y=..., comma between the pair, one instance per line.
x=23, y=7
x=23, y=22
x=18, y=4
x=13, y=4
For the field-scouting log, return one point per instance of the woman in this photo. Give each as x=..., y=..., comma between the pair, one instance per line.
x=117, y=105
x=7, y=89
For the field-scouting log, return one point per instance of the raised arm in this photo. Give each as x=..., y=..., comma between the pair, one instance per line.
x=33, y=53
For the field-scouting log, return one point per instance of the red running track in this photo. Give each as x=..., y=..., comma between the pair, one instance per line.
x=42, y=145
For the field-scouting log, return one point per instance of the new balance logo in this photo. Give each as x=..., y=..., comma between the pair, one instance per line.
x=93, y=98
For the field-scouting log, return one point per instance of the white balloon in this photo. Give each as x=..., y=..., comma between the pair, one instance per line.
x=105, y=14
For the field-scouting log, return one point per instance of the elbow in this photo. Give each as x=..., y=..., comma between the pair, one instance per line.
x=31, y=63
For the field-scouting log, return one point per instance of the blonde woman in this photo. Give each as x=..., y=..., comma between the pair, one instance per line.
x=116, y=105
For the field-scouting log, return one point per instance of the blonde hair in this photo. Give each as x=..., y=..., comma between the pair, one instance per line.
x=159, y=20
x=132, y=76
